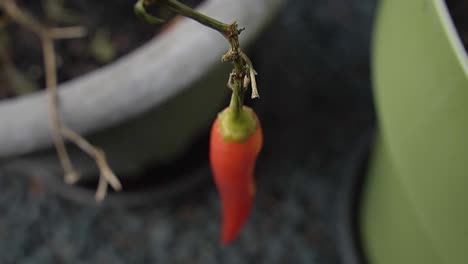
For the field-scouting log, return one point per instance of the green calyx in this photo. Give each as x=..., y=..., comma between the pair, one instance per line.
x=237, y=127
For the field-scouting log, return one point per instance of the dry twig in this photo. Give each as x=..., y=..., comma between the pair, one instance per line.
x=59, y=130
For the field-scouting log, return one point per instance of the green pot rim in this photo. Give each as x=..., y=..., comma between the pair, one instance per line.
x=452, y=34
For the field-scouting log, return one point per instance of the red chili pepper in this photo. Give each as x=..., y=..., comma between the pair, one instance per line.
x=234, y=146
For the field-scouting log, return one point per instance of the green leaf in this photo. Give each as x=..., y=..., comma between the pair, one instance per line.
x=102, y=49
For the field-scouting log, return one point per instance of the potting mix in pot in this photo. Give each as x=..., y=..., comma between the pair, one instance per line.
x=459, y=11
x=111, y=31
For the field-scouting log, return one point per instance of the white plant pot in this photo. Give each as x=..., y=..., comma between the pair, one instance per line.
x=145, y=108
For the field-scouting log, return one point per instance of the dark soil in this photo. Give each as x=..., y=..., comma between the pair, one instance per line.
x=112, y=31
x=459, y=11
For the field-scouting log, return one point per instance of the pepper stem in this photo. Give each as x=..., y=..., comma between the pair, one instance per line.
x=237, y=98
x=242, y=65
x=187, y=11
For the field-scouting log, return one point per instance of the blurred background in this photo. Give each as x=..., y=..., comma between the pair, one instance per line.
x=316, y=109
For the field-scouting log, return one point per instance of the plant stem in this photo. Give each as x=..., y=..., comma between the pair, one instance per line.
x=187, y=11
x=242, y=65
x=21, y=17
x=71, y=175
x=236, y=102
x=230, y=32
x=59, y=130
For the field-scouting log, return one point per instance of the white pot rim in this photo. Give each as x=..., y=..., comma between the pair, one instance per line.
x=121, y=91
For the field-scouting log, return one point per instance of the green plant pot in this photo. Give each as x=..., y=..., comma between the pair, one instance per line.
x=414, y=208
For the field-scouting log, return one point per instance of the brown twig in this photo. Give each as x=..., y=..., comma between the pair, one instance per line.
x=59, y=130
x=107, y=176
x=71, y=175
x=67, y=32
